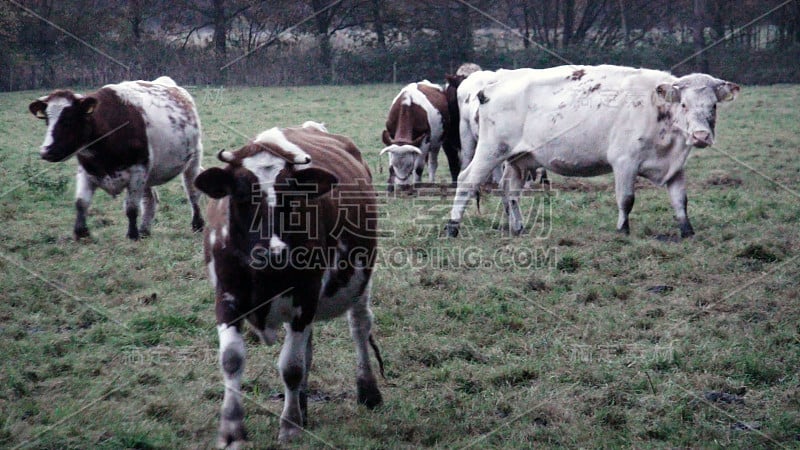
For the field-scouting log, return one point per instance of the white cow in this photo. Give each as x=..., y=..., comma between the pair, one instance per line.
x=591, y=120
x=469, y=119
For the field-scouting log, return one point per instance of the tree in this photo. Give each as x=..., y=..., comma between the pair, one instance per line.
x=698, y=36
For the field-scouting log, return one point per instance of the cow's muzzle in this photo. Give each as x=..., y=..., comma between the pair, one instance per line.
x=49, y=155
x=702, y=139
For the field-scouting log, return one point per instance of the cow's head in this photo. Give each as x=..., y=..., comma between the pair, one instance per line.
x=68, y=117
x=402, y=157
x=693, y=100
x=264, y=188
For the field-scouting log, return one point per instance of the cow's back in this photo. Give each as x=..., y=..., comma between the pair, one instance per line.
x=353, y=196
x=172, y=124
x=570, y=117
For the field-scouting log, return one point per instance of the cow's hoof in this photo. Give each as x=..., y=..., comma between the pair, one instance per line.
x=686, y=230
x=390, y=188
x=198, y=224
x=368, y=393
x=452, y=228
x=626, y=230
x=145, y=233
x=232, y=435
x=288, y=432
x=81, y=233
x=133, y=235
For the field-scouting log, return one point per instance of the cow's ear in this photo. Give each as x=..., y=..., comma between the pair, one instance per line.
x=668, y=93
x=727, y=91
x=38, y=108
x=387, y=139
x=87, y=104
x=215, y=182
x=311, y=182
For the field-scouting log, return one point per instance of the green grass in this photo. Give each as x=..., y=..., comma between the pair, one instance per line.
x=569, y=336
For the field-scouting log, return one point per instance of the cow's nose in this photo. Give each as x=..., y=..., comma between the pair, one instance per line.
x=701, y=139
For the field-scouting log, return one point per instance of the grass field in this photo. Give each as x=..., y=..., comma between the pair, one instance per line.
x=569, y=336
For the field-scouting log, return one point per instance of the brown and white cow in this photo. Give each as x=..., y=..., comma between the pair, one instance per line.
x=290, y=240
x=133, y=135
x=590, y=120
x=415, y=129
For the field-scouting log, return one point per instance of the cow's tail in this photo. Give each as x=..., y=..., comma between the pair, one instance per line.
x=478, y=199
x=377, y=352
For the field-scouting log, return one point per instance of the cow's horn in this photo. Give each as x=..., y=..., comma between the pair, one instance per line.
x=225, y=156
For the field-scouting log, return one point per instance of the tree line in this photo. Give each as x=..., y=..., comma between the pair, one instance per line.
x=52, y=43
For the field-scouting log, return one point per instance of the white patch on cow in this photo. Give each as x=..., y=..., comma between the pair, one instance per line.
x=276, y=137
x=403, y=158
x=54, y=109
x=315, y=125
x=171, y=122
x=276, y=245
x=212, y=273
x=166, y=81
x=431, y=85
x=224, y=232
x=265, y=166
x=229, y=337
x=435, y=121
x=212, y=238
x=231, y=346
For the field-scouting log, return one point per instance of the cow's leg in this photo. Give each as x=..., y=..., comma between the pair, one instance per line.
x=513, y=180
x=192, y=193
x=468, y=143
x=136, y=189
x=292, y=365
x=304, y=383
x=149, y=202
x=390, y=181
x=624, y=181
x=433, y=163
x=468, y=181
x=419, y=166
x=84, y=191
x=453, y=160
x=677, y=195
x=360, y=319
x=231, y=360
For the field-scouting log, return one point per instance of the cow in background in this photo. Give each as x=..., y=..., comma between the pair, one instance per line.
x=290, y=240
x=134, y=135
x=591, y=120
x=415, y=128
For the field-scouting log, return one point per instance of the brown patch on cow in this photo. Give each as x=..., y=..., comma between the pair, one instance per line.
x=125, y=147
x=594, y=88
x=577, y=75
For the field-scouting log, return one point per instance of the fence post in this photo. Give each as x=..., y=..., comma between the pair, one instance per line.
x=394, y=72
